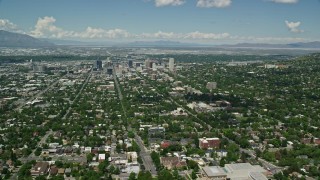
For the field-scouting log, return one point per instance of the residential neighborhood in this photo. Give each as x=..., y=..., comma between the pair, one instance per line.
x=135, y=116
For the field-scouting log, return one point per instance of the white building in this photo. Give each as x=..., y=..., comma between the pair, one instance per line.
x=171, y=64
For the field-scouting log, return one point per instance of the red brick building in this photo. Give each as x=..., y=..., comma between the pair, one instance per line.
x=206, y=143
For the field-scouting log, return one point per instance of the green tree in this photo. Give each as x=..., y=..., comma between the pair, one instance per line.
x=132, y=176
x=193, y=175
x=144, y=175
x=164, y=174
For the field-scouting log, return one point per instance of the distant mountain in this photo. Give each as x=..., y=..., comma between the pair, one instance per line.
x=301, y=45
x=10, y=39
x=122, y=44
x=64, y=42
x=160, y=44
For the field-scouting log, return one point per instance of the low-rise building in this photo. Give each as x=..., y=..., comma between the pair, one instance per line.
x=206, y=143
x=40, y=168
x=172, y=162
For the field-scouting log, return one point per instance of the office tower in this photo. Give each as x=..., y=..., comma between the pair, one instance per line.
x=109, y=70
x=130, y=63
x=98, y=64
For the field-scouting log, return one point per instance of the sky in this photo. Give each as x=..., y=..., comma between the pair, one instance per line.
x=195, y=21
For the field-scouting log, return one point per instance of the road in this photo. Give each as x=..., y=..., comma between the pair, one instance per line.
x=273, y=168
x=119, y=92
x=32, y=156
x=267, y=165
x=179, y=105
x=23, y=103
x=83, y=85
x=145, y=156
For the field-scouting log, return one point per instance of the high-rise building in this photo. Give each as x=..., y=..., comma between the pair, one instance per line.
x=109, y=70
x=109, y=62
x=130, y=63
x=98, y=64
x=148, y=64
x=171, y=64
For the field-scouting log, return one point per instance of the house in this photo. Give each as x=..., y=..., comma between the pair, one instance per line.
x=172, y=162
x=87, y=149
x=67, y=171
x=61, y=171
x=53, y=170
x=205, y=143
x=40, y=168
x=156, y=131
x=317, y=141
x=133, y=156
x=102, y=157
x=165, y=144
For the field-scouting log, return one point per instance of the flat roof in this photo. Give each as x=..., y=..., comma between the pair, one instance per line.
x=214, y=171
x=257, y=176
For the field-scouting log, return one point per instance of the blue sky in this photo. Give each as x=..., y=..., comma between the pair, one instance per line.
x=204, y=21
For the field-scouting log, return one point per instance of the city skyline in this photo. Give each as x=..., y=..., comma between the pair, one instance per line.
x=201, y=21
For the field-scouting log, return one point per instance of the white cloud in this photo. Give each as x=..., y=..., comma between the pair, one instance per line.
x=160, y=3
x=96, y=33
x=213, y=3
x=6, y=25
x=45, y=27
x=294, y=26
x=285, y=1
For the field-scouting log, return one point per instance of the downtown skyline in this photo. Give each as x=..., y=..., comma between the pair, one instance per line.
x=194, y=21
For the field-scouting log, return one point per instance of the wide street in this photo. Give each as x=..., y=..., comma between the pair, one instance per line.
x=83, y=85
x=145, y=156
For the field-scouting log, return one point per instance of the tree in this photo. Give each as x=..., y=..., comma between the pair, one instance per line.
x=118, y=148
x=103, y=166
x=193, y=175
x=193, y=165
x=89, y=157
x=144, y=175
x=41, y=178
x=38, y=151
x=59, y=164
x=164, y=175
x=130, y=134
x=132, y=176
x=117, y=171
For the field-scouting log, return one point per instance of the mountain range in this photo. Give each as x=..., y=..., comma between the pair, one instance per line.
x=10, y=39
x=300, y=45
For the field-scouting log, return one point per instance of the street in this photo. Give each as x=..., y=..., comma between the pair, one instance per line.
x=145, y=156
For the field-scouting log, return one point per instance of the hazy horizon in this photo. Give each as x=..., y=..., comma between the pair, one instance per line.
x=187, y=21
